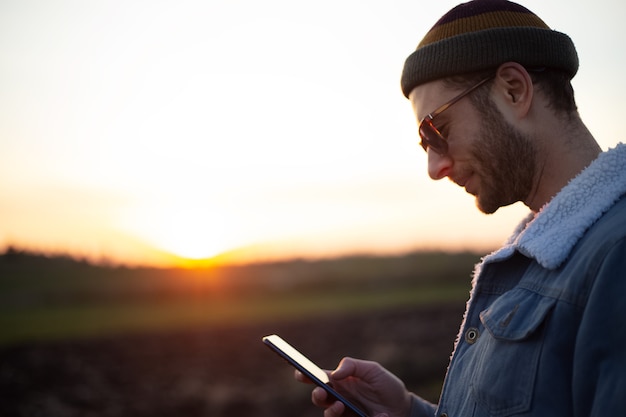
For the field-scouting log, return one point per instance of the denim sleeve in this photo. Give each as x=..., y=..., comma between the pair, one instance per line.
x=421, y=408
x=599, y=374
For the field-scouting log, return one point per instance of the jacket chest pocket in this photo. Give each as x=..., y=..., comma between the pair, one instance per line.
x=507, y=354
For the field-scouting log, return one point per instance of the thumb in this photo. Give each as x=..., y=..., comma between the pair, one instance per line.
x=346, y=368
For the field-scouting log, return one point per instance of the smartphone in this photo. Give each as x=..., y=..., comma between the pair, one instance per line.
x=308, y=368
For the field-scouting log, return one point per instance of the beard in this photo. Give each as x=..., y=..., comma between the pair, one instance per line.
x=506, y=161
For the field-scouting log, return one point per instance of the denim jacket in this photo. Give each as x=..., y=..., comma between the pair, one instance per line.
x=544, y=332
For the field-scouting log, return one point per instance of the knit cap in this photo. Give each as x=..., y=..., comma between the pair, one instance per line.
x=482, y=34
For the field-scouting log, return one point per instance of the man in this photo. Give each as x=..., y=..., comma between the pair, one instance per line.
x=544, y=333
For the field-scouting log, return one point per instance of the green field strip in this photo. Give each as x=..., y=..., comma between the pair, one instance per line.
x=81, y=321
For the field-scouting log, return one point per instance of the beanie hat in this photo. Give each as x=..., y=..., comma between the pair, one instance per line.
x=483, y=34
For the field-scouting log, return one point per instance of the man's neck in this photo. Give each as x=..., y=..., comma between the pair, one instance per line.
x=563, y=158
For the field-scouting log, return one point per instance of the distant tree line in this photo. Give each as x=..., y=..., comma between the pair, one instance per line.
x=14, y=255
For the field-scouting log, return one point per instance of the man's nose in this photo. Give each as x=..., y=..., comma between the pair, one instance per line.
x=439, y=166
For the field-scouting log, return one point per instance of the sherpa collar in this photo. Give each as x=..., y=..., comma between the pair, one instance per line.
x=549, y=236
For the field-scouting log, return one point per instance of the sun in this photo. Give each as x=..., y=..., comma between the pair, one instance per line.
x=189, y=244
x=194, y=234
x=191, y=232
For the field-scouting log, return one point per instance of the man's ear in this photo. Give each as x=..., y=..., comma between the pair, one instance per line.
x=514, y=88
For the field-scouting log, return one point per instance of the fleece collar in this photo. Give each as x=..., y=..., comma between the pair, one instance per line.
x=549, y=236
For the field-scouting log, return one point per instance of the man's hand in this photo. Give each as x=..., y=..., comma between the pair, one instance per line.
x=372, y=387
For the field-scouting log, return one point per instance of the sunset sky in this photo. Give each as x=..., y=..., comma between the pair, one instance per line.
x=144, y=132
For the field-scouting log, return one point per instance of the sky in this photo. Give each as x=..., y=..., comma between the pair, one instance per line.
x=150, y=132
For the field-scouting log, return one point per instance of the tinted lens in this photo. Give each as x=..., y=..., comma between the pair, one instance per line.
x=431, y=138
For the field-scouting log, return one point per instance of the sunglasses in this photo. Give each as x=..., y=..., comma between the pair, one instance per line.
x=429, y=134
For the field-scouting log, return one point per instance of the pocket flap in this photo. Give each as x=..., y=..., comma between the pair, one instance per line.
x=516, y=314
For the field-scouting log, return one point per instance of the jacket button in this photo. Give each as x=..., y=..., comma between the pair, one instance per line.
x=471, y=335
x=443, y=415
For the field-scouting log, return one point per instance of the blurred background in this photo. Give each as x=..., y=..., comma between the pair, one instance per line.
x=178, y=179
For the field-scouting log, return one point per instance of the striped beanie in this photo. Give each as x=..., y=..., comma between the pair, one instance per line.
x=482, y=34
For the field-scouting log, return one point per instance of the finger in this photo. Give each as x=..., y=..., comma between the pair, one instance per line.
x=347, y=367
x=319, y=396
x=335, y=410
x=301, y=377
